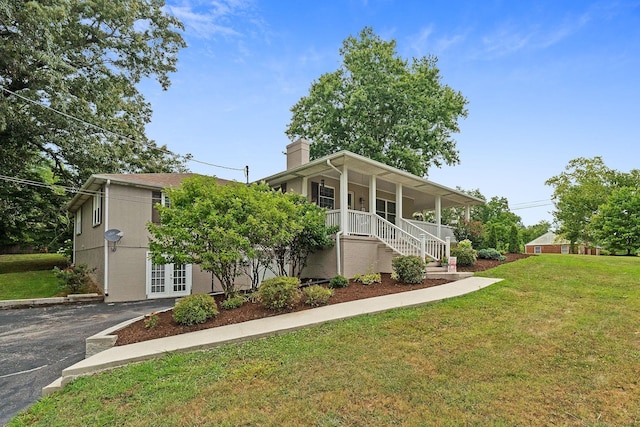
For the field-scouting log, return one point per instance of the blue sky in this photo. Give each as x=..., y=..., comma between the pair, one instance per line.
x=546, y=81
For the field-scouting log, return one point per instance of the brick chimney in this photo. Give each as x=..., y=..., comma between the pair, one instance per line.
x=297, y=153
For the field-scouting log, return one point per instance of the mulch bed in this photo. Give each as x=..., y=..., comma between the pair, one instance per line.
x=137, y=332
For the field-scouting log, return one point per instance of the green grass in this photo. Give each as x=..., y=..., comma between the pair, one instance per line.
x=29, y=276
x=556, y=343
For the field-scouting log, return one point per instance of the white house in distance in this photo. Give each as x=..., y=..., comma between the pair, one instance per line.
x=370, y=202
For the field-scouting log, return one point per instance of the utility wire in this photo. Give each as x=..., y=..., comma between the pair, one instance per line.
x=187, y=158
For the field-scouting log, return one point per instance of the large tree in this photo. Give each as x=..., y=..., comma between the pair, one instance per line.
x=68, y=96
x=578, y=192
x=381, y=106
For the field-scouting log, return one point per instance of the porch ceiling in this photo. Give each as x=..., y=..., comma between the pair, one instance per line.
x=361, y=168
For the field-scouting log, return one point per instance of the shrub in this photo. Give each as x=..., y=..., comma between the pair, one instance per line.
x=194, y=309
x=279, y=293
x=339, y=282
x=151, y=320
x=232, y=302
x=73, y=278
x=464, y=253
x=409, y=269
x=491, y=254
x=368, y=279
x=316, y=295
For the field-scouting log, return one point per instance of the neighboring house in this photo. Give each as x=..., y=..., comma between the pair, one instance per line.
x=371, y=203
x=125, y=202
x=549, y=243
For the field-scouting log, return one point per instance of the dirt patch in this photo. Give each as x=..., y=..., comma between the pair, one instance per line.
x=137, y=332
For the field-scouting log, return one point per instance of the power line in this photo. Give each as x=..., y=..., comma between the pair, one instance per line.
x=187, y=157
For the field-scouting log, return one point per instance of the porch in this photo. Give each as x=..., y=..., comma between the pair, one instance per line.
x=405, y=237
x=372, y=204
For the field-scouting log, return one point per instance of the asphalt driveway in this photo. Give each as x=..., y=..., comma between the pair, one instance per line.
x=36, y=344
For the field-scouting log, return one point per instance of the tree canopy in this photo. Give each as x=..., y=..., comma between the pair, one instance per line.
x=68, y=96
x=381, y=106
x=597, y=205
x=617, y=223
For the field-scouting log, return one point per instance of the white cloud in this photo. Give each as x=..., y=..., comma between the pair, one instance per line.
x=208, y=19
x=426, y=42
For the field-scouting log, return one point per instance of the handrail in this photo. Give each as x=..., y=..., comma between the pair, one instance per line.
x=408, y=239
x=435, y=247
x=396, y=238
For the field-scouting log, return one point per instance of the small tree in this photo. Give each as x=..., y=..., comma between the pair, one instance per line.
x=215, y=226
x=313, y=236
x=514, y=240
x=470, y=230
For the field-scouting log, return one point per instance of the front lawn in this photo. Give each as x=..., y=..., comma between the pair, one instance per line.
x=556, y=343
x=29, y=276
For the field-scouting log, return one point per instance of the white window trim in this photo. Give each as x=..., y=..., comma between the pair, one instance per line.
x=537, y=249
x=97, y=209
x=320, y=197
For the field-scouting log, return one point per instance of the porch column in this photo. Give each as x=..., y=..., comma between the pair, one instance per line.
x=467, y=213
x=344, y=200
x=398, y=203
x=373, y=181
x=304, y=191
x=439, y=216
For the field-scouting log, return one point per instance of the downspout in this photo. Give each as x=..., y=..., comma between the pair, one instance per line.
x=338, y=266
x=75, y=233
x=106, y=243
x=333, y=167
x=339, y=233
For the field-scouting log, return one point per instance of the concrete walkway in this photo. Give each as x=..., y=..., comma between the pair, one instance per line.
x=209, y=338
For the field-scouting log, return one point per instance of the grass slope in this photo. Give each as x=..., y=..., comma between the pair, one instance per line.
x=556, y=343
x=29, y=276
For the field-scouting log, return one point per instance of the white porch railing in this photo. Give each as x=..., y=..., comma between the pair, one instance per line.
x=431, y=228
x=435, y=247
x=408, y=239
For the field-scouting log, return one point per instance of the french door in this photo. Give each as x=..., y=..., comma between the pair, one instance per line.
x=168, y=280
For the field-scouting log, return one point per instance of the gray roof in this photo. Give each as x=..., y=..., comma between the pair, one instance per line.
x=549, y=238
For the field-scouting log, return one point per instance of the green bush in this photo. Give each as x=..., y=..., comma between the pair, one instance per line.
x=316, y=295
x=491, y=254
x=464, y=253
x=232, y=302
x=409, y=269
x=194, y=309
x=368, y=279
x=73, y=278
x=279, y=293
x=339, y=282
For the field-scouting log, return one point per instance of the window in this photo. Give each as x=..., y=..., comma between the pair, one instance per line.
x=79, y=221
x=386, y=209
x=157, y=197
x=326, y=197
x=537, y=249
x=564, y=249
x=97, y=209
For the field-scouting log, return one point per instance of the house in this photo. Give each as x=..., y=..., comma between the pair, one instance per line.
x=371, y=203
x=111, y=214
x=550, y=243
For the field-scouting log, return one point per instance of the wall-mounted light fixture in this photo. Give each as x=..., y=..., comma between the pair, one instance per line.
x=322, y=183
